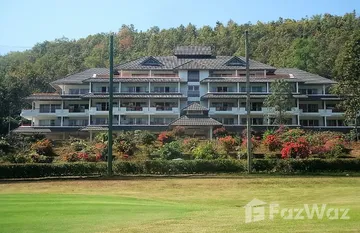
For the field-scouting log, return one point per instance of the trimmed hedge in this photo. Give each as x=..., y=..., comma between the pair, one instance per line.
x=160, y=167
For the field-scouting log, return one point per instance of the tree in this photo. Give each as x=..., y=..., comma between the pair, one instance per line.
x=348, y=78
x=279, y=100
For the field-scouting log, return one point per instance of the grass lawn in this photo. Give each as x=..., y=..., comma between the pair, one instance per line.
x=173, y=204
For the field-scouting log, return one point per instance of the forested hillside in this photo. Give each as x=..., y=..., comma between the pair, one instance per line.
x=313, y=44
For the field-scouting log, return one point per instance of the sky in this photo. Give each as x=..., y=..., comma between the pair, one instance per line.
x=23, y=23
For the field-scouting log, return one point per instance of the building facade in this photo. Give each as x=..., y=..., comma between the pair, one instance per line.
x=151, y=92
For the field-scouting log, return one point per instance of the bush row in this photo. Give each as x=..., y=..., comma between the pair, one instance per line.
x=161, y=167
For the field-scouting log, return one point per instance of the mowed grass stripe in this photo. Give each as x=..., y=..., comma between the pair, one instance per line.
x=79, y=213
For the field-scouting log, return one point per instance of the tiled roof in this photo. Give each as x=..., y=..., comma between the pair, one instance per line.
x=231, y=96
x=212, y=63
x=304, y=76
x=30, y=130
x=94, y=128
x=269, y=78
x=195, y=107
x=241, y=96
x=78, y=78
x=193, y=64
x=195, y=121
x=135, y=80
x=52, y=96
x=193, y=50
x=137, y=95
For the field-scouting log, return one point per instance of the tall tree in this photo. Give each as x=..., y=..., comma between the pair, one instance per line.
x=280, y=100
x=348, y=78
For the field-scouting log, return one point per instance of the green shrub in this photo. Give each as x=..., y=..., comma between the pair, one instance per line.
x=205, y=151
x=180, y=167
x=79, y=145
x=170, y=150
x=147, y=138
x=189, y=144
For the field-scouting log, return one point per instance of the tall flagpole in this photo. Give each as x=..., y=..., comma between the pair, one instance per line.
x=110, y=141
x=248, y=119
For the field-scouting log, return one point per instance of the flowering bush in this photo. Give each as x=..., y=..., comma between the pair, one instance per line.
x=254, y=143
x=72, y=157
x=189, y=144
x=79, y=145
x=125, y=146
x=100, y=148
x=43, y=147
x=166, y=137
x=178, y=131
x=220, y=132
x=298, y=149
x=292, y=135
x=272, y=142
x=228, y=143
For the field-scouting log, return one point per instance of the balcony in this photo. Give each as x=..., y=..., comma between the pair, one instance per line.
x=226, y=110
x=164, y=110
x=72, y=112
x=103, y=111
x=38, y=112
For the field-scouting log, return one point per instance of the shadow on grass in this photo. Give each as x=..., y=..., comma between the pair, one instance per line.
x=185, y=176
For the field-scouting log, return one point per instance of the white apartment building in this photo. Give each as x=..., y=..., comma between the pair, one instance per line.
x=193, y=88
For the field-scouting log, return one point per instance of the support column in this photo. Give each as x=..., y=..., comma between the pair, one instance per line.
x=208, y=87
x=324, y=90
x=267, y=87
x=211, y=132
x=149, y=88
x=324, y=104
x=209, y=104
x=298, y=107
x=91, y=136
x=264, y=73
x=90, y=87
x=297, y=87
x=239, y=119
x=62, y=121
x=325, y=119
x=119, y=120
x=179, y=88
x=121, y=73
x=236, y=73
x=179, y=107
x=150, y=73
x=149, y=105
x=149, y=119
x=238, y=87
x=238, y=102
x=119, y=87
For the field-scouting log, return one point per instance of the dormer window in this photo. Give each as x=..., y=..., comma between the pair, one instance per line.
x=235, y=61
x=151, y=61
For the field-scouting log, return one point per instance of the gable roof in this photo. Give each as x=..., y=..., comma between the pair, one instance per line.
x=78, y=78
x=304, y=76
x=193, y=50
x=211, y=63
x=195, y=107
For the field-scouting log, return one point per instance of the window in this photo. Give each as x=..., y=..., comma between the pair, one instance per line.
x=256, y=89
x=256, y=106
x=163, y=89
x=228, y=121
x=309, y=122
x=193, y=91
x=309, y=107
x=193, y=88
x=222, y=89
x=193, y=76
x=257, y=121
